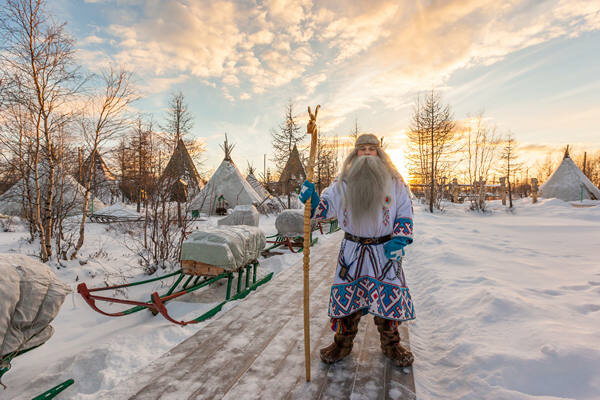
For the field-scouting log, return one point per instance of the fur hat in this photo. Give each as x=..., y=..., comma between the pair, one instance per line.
x=367, y=138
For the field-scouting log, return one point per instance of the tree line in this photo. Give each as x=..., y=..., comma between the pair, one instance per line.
x=52, y=113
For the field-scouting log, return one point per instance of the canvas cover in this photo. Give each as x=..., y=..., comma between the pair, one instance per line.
x=227, y=181
x=31, y=295
x=568, y=183
x=241, y=215
x=11, y=201
x=230, y=247
x=290, y=223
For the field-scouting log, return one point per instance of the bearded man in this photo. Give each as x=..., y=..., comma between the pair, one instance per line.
x=374, y=209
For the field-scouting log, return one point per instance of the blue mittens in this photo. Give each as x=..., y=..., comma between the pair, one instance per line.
x=394, y=249
x=308, y=191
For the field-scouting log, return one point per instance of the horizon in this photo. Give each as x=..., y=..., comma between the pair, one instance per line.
x=533, y=68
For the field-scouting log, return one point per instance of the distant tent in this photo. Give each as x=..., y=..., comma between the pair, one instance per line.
x=256, y=185
x=568, y=183
x=293, y=173
x=11, y=201
x=227, y=182
x=104, y=183
x=181, y=167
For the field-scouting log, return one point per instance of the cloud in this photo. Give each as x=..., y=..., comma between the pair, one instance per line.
x=378, y=52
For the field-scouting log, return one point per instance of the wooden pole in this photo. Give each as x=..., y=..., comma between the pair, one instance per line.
x=311, y=129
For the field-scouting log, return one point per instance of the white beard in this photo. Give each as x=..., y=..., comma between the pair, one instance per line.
x=368, y=181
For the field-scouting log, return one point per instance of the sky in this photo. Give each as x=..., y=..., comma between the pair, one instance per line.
x=532, y=67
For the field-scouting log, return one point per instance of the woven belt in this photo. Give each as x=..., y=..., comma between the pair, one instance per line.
x=364, y=240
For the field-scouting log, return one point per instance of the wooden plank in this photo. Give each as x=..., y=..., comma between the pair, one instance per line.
x=192, y=267
x=206, y=363
x=281, y=366
x=400, y=382
x=255, y=351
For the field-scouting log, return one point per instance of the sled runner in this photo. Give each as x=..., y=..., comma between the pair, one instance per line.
x=332, y=222
x=294, y=243
x=289, y=224
x=187, y=280
x=207, y=256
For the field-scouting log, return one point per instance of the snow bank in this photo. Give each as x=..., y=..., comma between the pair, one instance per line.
x=507, y=306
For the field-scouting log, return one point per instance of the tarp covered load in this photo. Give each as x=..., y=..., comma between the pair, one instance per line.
x=241, y=215
x=230, y=247
x=290, y=223
x=30, y=297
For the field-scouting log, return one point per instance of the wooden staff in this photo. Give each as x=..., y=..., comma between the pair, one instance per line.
x=311, y=129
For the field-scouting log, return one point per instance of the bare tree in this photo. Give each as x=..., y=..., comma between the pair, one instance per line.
x=104, y=121
x=509, y=156
x=179, y=119
x=431, y=139
x=481, y=150
x=327, y=161
x=288, y=134
x=38, y=61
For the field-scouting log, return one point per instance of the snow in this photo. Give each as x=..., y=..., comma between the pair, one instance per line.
x=507, y=305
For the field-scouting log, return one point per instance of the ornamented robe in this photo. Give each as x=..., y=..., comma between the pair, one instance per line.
x=373, y=283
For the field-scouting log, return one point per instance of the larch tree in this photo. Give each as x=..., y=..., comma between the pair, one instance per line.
x=509, y=156
x=288, y=134
x=431, y=140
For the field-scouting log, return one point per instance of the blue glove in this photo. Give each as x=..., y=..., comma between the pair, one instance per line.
x=308, y=189
x=394, y=249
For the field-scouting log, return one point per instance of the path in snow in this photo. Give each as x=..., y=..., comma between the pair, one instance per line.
x=256, y=351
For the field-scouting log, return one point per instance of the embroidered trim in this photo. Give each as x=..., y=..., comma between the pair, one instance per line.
x=379, y=298
x=322, y=208
x=403, y=226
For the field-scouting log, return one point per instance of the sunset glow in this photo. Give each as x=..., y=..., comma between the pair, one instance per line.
x=238, y=63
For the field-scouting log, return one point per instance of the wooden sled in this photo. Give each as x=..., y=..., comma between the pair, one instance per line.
x=294, y=243
x=191, y=277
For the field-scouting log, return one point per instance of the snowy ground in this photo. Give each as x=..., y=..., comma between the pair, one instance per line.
x=508, y=307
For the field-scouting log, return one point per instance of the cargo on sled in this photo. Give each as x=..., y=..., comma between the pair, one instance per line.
x=289, y=224
x=208, y=256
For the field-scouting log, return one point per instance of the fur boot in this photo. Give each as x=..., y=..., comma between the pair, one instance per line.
x=343, y=339
x=390, y=343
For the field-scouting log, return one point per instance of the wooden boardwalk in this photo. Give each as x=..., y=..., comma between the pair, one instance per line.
x=255, y=350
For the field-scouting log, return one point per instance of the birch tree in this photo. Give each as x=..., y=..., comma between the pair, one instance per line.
x=38, y=62
x=105, y=121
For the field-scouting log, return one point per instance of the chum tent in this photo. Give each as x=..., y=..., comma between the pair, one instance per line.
x=181, y=167
x=569, y=183
x=104, y=183
x=11, y=201
x=256, y=185
x=227, y=183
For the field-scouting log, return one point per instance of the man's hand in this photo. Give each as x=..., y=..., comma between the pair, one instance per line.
x=308, y=188
x=394, y=249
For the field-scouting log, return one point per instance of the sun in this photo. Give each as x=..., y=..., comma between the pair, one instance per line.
x=397, y=156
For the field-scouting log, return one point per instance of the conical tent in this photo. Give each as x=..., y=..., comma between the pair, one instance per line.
x=182, y=167
x=569, y=183
x=256, y=185
x=104, y=184
x=227, y=182
x=67, y=187
x=293, y=173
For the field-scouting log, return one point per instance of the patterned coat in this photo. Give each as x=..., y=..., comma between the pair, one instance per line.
x=373, y=283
